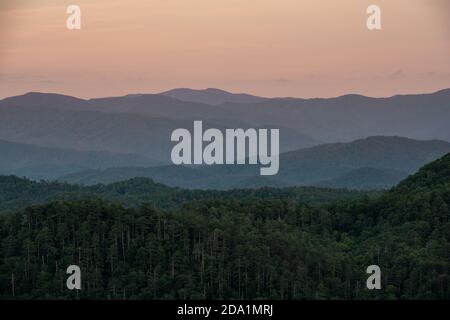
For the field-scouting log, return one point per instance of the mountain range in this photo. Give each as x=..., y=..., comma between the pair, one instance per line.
x=49, y=163
x=371, y=163
x=114, y=136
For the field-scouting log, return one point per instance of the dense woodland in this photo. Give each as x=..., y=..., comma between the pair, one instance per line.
x=267, y=243
x=19, y=193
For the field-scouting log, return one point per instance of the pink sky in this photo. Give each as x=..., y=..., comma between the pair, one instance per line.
x=265, y=47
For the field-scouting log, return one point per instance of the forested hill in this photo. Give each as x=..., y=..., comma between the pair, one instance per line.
x=231, y=249
x=424, y=196
x=18, y=193
x=432, y=176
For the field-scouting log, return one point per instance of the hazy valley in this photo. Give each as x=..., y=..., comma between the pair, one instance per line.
x=350, y=141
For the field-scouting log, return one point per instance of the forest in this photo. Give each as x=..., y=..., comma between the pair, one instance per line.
x=131, y=243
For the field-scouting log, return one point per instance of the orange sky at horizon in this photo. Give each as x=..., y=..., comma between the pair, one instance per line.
x=318, y=48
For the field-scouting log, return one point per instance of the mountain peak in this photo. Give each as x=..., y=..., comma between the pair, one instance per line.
x=212, y=96
x=37, y=94
x=216, y=90
x=190, y=90
x=443, y=92
x=41, y=99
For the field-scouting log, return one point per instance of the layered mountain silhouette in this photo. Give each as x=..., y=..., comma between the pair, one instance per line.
x=330, y=161
x=49, y=163
x=341, y=119
x=322, y=140
x=16, y=193
x=139, y=124
x=372, y=163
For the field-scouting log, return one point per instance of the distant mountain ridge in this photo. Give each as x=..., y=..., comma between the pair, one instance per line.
x=340, y=119
x=141, y=125
x=372, y=163
x=49, y=163
x=212, y=96
x=365, y=178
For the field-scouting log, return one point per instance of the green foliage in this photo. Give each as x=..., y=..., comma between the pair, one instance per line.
x=19, y=193
x=231, y=246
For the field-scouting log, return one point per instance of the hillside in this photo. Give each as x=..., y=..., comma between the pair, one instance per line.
x=395, y=156
x=49, y=163
x=236, y=248
x=330, y=161
x=174, y=176
x=18, y=193
x=432, y=176
x=365, y=179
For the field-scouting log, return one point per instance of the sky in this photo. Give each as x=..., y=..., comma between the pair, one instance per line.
x=308, y=48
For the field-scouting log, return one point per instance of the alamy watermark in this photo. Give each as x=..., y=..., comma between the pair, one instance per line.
x=74, y=280
x=374, y=280
x=236, y=146
x=374, y=19
x=73, y=21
